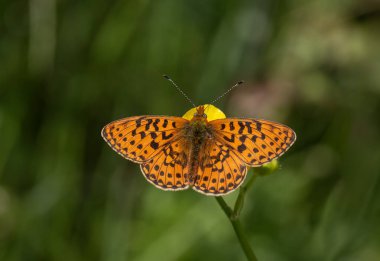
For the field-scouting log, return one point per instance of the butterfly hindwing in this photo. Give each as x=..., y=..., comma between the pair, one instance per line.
x=220, y=170
x=168, y=170
x=141, y=138
x=256, y=142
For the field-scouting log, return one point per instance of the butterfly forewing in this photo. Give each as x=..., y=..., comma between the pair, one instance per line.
x=256, y=142
x=141, y=138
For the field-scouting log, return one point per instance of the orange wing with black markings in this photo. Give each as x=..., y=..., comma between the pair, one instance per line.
x=256, y=142
x=156, y=142
x=221, y=170
x=236, y=145
x=168, y=169
x=141, y=138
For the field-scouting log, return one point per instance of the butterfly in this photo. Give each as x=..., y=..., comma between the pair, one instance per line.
x=202, y=150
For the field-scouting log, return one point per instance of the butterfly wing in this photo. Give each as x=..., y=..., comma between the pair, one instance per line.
x=156, y=143
x=254, y=141
x=220, y=170
x=168, y=170
x=237, y=144
x=140, y=138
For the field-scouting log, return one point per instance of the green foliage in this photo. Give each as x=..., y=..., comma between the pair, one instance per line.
x=70, y=67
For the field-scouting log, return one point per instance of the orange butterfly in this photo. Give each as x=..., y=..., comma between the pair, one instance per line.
x=203, y=150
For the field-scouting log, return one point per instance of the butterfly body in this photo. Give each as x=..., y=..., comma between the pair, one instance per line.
x=211, y=155
x=198, y=132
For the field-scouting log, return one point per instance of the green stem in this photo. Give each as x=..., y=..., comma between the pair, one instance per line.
x=241, y=197
x=233, y=215
x=238, y=229
x=243, y=240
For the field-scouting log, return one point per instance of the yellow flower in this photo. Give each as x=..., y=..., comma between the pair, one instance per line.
x=211, y=111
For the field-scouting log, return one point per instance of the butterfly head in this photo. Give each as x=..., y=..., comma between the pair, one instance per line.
x=200, y=114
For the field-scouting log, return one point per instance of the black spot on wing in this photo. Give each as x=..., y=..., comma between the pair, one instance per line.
x=241, y=127
x=154, y=145
x=258, y=125
x=148, y=123
x=155, y=124
x=232, y=139
x=249, y=128
x=138, y=122
x=165, y=124
x=241, y=148
x=166, y=137
x=232, y=126
x=242, y=138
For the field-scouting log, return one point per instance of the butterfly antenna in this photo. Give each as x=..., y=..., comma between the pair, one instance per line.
x=179, y=89
x=230, y=89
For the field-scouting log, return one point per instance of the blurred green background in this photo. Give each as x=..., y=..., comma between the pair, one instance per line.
x=69, y=67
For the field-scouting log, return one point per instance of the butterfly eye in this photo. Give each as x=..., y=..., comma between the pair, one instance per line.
x=204, y=115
